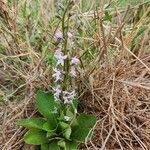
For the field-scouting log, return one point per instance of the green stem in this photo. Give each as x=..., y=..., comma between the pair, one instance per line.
x=65, y=46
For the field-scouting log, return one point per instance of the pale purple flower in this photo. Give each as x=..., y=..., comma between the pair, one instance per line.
x=74, y=60
x=57, y=91
x=68, y=96
x=67, y=118
x=57, y=75
x=66, y=100
x=73, y=72
x=60, y=57
x=70, y=35
x=59, y=35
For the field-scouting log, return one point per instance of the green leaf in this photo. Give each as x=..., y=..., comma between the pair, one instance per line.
x=32, y=123
x=50, y=131
x=54, y=146
x=75, y=103
x=79, y=134
x=47, y=106
x=62, y=144
x=69, y=113
x=71, y=145
x=74, y=122
x=44, y=146
x=61, y=116
x=87, y=121
x=67, y=133
x=46, y=103
x=50, y=134
x=47, y=127
x=35, y=137
x=85, y=124
x=64, y=125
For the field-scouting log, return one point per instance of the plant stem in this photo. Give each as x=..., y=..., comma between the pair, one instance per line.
x=65, y=46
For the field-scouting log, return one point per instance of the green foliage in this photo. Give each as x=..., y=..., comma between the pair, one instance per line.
x=35, y=137
x=46, y=106
x=53, y=131
x=85, y=123
x=44, y=146
x=32, y=123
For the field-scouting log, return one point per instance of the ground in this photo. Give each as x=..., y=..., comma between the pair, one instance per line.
x=113, y=78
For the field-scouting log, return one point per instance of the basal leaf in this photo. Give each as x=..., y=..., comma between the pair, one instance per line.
x=50, y=146
x=71, y=145
x=35, y=137
x=50, y=134
x=64, y=125
x=47, y=106
x=54, y=146
x=32, y=123
x=67, y=133
x=85, y=120
x=79, y=134
x=47, y=127
x=62, y=144
x=85, y=124
x=45, y=146
x=46, y=103
x=50, y=131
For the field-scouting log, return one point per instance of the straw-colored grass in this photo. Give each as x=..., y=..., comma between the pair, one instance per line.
x=113, y=78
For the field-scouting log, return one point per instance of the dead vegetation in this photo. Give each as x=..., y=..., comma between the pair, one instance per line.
x=115, y=85
x=120, y=98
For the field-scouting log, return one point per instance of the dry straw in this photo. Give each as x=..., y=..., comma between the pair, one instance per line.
x=115, y=86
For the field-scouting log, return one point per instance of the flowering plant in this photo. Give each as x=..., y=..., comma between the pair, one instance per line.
x=60, y=126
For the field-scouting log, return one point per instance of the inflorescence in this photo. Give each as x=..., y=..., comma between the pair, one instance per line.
x=66, y=94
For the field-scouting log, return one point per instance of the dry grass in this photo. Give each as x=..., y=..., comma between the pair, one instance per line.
x=114, y=85
x=120, y=98
x=121, y=102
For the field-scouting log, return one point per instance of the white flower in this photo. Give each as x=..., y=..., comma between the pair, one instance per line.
x=73, y=72
x=60, y=57
x=67, y=118
x=70, y=35
x=57, y=75
x=74, y=61
x=59, y=35
x=57, y=91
